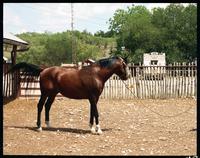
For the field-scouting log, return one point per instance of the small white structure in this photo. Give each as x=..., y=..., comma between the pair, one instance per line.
x=79, y=65
x=155, y=63
x=5, y=59
x=154, y=59
x=88, y=62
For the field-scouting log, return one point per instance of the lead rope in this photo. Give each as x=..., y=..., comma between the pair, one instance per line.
x=155, y=111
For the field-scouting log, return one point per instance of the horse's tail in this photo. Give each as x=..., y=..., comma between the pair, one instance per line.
x=31, y=69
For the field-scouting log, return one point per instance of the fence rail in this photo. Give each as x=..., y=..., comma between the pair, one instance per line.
x=171, y=81
x=11, y=83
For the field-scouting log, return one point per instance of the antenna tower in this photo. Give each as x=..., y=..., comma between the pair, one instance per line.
x=73, y=38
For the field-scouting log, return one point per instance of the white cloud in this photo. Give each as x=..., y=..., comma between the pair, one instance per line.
x=24, y=30
x=11, y=21
x=155, y=5
x=64, y=9
x=52, y=16
x=161, y=5
x=10, y=17
x=56, y=17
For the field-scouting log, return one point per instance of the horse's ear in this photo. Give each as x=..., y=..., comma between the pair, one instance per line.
x=126, y=59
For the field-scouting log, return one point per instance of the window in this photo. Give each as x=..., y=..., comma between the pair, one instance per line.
x=154, y=62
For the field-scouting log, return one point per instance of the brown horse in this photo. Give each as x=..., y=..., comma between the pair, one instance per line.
x=86, y=83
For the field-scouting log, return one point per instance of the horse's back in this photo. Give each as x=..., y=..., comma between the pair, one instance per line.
x=50, y=77
x=70, y=82
x=66, y=81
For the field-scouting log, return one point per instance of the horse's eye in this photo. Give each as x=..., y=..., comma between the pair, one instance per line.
x=124, y=65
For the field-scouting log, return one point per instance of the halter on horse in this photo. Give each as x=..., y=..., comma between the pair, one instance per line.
x=86, y=83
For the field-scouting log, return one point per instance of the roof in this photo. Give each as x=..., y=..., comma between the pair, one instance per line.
x=4, y=58
x=12, y=39
x=89, y=61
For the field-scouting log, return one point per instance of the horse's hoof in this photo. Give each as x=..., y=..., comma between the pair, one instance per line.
x=99, y=132
x=92, y=130
x=98, y=129
x=39, y=129
x=47, y=124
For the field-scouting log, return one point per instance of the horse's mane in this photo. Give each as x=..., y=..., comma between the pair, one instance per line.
x=106, y=62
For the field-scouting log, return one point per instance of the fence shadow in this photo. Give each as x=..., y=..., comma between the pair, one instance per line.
x=8, y=100
x=193, y=130
x=58, y=129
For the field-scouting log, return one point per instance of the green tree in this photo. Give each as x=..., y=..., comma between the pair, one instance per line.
x=178, y=27
x=136, y=31
x=55, y=48
x=172, y=30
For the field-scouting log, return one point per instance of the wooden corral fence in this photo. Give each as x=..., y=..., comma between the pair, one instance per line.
x=171, y=81
x=11, y=82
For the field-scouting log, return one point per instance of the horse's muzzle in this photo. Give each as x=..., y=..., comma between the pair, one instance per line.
x=124, y=77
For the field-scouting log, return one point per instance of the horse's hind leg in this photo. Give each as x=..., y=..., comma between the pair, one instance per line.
x=96, y=115
x=48, y=107
x=91, y=118
x=40, y=107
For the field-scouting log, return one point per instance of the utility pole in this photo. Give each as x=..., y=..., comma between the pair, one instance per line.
x=73, y=38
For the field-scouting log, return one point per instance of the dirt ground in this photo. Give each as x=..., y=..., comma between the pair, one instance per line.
x=128, y=128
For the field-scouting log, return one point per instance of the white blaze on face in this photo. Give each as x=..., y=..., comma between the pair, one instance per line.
x=127, y=72
x=121, y=59
x=126, y=69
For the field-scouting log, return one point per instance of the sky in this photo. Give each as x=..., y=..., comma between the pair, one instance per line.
x=56, y=17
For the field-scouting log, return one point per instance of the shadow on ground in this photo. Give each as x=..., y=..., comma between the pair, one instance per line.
x=8, y=100
x=193, y=130
x=56, y=129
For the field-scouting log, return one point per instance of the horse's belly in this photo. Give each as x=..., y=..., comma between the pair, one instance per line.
x=74, y=94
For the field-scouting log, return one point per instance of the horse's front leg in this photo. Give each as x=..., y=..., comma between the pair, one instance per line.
x=94, y=114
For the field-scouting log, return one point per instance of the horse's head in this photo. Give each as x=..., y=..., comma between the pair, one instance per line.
x=121, y=68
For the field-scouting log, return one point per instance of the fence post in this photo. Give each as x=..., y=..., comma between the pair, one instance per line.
x=177, y=79
x=189, y=80
x=18, y=90
x=137, y=82
x=195, y=79
x=185, y=81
